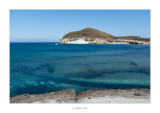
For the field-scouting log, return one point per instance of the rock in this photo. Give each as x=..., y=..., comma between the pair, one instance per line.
x=61, y=95
x=89, y=96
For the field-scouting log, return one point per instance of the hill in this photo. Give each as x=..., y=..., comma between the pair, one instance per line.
x=89, y=33
x=94, y=36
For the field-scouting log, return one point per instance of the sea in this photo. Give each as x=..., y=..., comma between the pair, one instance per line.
x=37, y=68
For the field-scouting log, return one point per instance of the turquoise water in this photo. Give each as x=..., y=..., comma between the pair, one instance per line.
x=37, y=68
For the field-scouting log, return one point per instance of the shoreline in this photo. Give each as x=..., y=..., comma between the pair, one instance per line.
x=90, y=96
x=144, y=43
x=105, y=44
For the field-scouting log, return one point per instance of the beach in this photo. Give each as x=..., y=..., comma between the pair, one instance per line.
x=69, y=96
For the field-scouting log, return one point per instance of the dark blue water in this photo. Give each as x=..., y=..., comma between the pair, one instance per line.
x=37, y=68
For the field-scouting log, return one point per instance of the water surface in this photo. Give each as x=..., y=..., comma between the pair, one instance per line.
x=37, y=68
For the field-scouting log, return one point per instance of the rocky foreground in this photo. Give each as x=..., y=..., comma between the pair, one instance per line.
x=89, y=96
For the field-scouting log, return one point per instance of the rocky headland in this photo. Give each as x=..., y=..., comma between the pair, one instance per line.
x=89, y=96
x=94, y=36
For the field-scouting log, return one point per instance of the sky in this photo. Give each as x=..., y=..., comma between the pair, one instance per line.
x=52, y=25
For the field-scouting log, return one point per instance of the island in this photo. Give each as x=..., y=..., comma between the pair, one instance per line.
x=94, y=36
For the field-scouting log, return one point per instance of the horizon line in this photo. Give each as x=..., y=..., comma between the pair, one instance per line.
x=27, y=42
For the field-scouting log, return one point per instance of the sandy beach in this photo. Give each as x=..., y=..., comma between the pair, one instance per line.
x=89, y=96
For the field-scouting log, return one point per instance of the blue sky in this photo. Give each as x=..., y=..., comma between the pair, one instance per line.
x=52, y=25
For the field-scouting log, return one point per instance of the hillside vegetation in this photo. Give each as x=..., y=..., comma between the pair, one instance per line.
x=134, y=38
x=89, y=33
